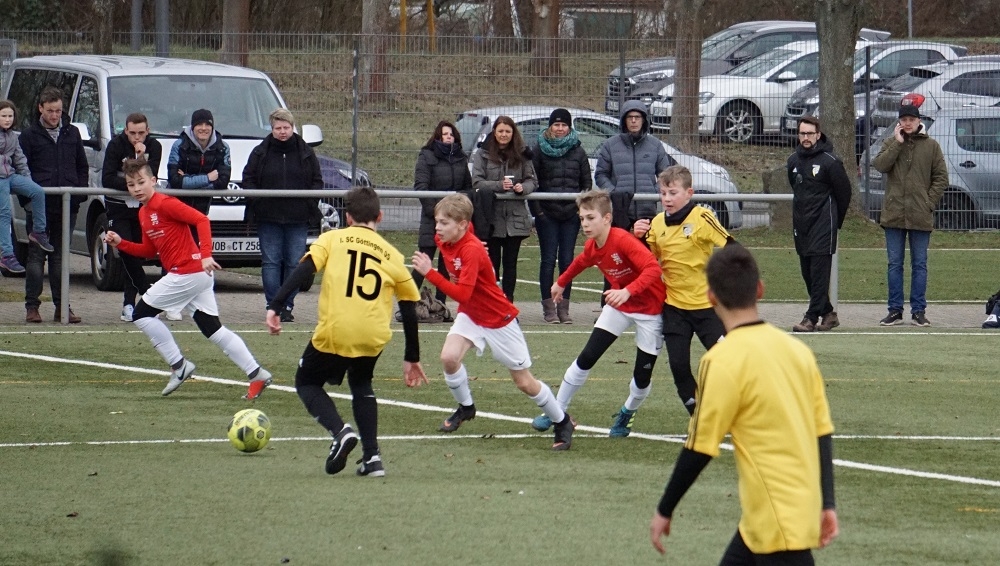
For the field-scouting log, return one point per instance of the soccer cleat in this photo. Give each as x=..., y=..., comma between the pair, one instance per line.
x=919, y=319
x=41, y=240
x=991, y=322
x=372, y=467
x=174, y=315
x=564, y=433
x=343, y=443
x=892, y=319
x=805, y=326
x=828, y=322
x=178, y=376
x=127, y=312
x=258, y=384
x=9, y=266
x=461, y=415
x=622, y=426
x=541, y=423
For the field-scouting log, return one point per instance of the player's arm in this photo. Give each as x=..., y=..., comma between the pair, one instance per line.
x=413, y=372
x=305, y=271
x=649, y=267
x=829, y=528
x=689, y=465
x=188, y=215
x=461, y=291
x=145, y=250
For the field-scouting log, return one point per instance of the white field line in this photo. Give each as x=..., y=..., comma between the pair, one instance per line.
x=431, y=408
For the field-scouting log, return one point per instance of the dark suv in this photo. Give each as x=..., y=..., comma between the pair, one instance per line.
x=643, y=79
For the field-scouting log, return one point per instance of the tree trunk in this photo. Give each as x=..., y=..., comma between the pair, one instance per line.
x=374, y=50
x=103, y=22
x=835, y=20
x=544, y=60
x=687, y=76
x=235, y=31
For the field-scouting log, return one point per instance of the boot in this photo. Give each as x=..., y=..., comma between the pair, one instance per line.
x=549, y=311
x=829, y=321
x=562, y=310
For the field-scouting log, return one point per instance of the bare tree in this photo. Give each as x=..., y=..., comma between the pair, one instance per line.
x=103, y=26
x=835, y=20
x=235, y=30
x=374, y=50
x=544, y=60
x=687, y=75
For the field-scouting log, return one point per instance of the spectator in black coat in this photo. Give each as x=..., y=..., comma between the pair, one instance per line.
x=283, y=161
x=55, y=155
x=199, y=159
x=562, y=166
x=442, y=165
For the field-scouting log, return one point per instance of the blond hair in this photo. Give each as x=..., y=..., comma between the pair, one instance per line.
x=595, y=199
x=282, y=114
x=675, y=174
x=455, y=206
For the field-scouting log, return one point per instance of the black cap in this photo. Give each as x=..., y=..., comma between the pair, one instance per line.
x=909, y=110
x=561, y=115
x=202, y=116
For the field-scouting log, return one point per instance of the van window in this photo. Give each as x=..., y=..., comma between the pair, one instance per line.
x=27, y=84
x=88, y=106
x=978, y=134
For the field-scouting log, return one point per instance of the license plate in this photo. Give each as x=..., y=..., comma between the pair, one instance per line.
x=611, y=105
x=235, y=245
x=786, y=124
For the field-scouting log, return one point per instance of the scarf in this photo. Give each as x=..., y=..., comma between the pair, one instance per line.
x=557, y=147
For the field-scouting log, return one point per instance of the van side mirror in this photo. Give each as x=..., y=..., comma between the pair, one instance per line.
x=312, y=135
x=92, y=143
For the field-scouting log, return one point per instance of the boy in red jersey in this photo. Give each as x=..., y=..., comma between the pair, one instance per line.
x=635, y=297
x=490, y=319
x=166, y=230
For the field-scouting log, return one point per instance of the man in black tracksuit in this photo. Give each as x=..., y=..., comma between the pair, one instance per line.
x=123, y=211
x=821, y=195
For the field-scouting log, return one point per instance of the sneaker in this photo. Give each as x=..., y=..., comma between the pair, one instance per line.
x=622, y=426
x=10, y=266
x=72, y=318
x=178, y=376
x=564, y=433
x=991, y=322
x=127, y=311
x=174, y=315
x=32, y=315
x=805, y=326
x=828, y=322
x=461, y=415
x=286, y=316
x=258, y=384
x=343, y=443
x=919, y=319
x=892, y=319
x=41, y=240
x=541, y=423
x=372, y=467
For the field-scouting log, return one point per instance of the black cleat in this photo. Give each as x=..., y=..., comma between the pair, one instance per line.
x=462, y=414
x=564, y=433
x=343, y=443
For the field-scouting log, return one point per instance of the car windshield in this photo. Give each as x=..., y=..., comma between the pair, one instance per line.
x=722, y=44
x=759, y=66
x=469, y=126
x=240, y=105
x=861, y=56
x=909, y=81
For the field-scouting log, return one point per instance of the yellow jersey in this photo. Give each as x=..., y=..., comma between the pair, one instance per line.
x=764, y=388
x=361, y=274
x=682, y=243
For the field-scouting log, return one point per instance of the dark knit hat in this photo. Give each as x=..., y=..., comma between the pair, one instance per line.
x=561, y=115
x=202, y=116
x=909, y=110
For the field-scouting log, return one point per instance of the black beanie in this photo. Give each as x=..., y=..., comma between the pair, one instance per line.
x=202, y=117
x=561, y=115
x=909, y=110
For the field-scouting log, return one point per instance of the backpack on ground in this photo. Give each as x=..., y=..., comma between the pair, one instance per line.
x=429, y=309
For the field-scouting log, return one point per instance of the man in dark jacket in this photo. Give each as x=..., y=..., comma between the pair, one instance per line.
x=123, y=211
x=55, y=155
x=199, y=159
x=821, y=195
x=282, y=161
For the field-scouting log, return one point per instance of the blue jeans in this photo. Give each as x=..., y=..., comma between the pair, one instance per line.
x=555, y=239
x=281, y=248
x=895, y=247
x=24, y=186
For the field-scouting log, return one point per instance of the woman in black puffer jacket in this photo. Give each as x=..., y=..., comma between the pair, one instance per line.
x=441, y=166
x=562, y=166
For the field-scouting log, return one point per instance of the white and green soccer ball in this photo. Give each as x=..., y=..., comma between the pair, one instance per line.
x=249, y=430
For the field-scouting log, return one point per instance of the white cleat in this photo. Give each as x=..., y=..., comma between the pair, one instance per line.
x=178, y=377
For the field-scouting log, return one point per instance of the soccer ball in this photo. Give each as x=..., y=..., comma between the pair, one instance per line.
x=249, y=430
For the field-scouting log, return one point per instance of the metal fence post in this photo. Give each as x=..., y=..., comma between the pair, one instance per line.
x=355, y=72
x=67, y=231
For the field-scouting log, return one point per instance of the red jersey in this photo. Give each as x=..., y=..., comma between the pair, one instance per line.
x=469, y=265
x=166, y=229
x=627, y=264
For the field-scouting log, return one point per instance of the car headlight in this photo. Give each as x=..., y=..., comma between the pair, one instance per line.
x=717, y=170
x=813, y=100
x=704, y=97
x=654, y=76
x=648, y=99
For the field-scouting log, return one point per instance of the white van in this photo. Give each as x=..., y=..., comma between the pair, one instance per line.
x=101, y=90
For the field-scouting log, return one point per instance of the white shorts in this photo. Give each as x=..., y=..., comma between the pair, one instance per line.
x=648, y=327
x=506, y=343
x=173, y=292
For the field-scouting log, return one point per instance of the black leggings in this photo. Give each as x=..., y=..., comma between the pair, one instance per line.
x=503, y=254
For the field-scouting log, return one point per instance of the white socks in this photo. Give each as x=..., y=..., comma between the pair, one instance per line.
x=573, y=380
x=234, y=347
x=162, y=340
x=636, y=396
x=458, y=383
x=548, y=404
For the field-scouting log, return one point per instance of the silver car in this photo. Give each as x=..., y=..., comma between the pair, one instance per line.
x=970, y=141
x=593, y=128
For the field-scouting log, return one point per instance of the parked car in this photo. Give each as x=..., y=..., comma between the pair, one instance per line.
x=643, y=79
x=102, y=90
x=970, y=140
x=748, y=101
x=972, y=81
x=593, y=128
x=884, y=61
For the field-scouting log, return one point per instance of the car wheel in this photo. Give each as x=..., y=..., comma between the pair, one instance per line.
x=105, y=266
x=955, y=212
x=739, y=122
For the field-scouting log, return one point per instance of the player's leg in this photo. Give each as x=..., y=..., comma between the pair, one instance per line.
x=316, y=369
x=464, y=334
x=365, y=408
x=677, y=335
x=708, y=327
x=144, y=318
x=648, y=342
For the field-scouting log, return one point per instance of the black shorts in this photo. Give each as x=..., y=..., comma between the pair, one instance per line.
x=703, y=322
x=738, y=554
x=319, y=368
